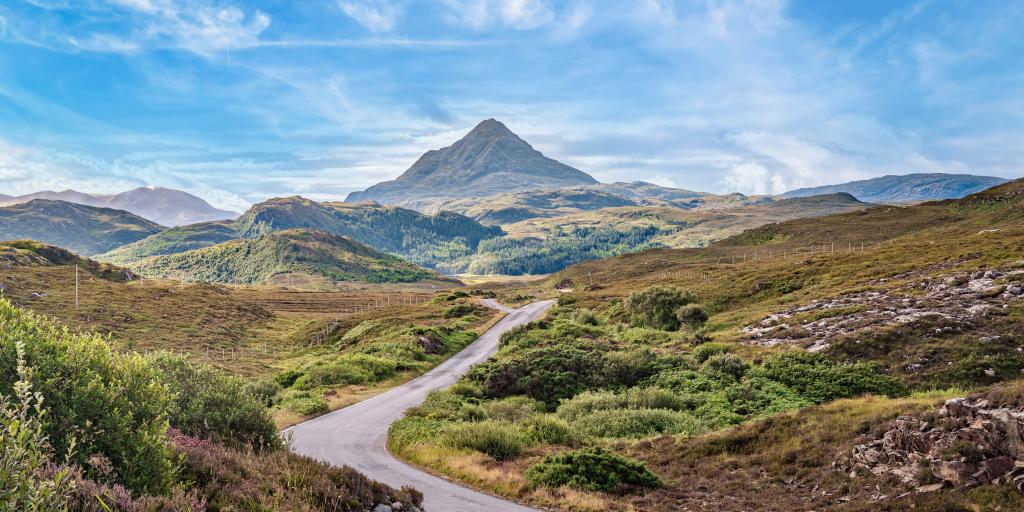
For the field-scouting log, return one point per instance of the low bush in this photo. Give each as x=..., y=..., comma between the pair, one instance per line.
x=692, y=315
x=207, y=402
x=287, y=378
x=584, y=317
x=459, y=310
x=304, y=403
x=466, y=389
x=727, y=365
x=264, y=391
x=500, y=440
x=586, y=403
x=548, y=430
x=24, y=451
x=705, y=351
x=636, y=423
x=89, y=390
x=514, y=409
x=592, y=469
x=821, y=379
x=548, y=373
x=347, y=370
x=656, y=307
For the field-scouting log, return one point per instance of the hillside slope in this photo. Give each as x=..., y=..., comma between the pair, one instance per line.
x=907, y=188
x=423, y=239
x=281, y=255
x=793, y=366
x=489, y=160
x=83, y=229
x=544, y=245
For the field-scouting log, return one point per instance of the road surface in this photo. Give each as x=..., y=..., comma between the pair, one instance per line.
x=356, y=435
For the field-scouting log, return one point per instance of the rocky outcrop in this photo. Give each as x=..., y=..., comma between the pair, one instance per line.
x=967, y=443
x=955, y=301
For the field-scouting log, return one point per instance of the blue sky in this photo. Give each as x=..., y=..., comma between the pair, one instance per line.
x=238, y=101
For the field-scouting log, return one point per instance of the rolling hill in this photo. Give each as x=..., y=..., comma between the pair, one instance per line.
x=165, y=206
x=423, y=239
x=489, y=160
x=282, y=255
x=513, y=207
x=907, y=188
x=543, y=245
x=839, y=363
x=83, y=229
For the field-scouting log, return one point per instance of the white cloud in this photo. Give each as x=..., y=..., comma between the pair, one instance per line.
x=375, y=15
x=515, y=14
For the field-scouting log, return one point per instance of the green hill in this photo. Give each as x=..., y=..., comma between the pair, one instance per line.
x=549, y=244
x=423, y=239
x=282, y=255
x=173, y=241
x=83, y=229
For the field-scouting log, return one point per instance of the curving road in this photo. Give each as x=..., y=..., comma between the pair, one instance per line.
x=356, y=435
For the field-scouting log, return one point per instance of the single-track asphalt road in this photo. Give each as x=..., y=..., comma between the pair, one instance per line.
x=356, y=436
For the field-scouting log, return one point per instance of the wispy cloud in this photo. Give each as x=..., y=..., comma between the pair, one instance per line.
x=375, y=15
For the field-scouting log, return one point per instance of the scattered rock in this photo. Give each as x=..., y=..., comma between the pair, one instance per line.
x=967, y=443
x=430, y=345
x=956, y=302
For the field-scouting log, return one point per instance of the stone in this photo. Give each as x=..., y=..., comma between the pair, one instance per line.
x=382, y=508
x=931, y=487
x=955, y=472
x=997, y=467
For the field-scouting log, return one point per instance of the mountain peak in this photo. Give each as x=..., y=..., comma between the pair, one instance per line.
x=488, y=160
x=490, y=128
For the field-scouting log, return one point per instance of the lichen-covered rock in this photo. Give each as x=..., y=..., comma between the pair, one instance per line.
x=965, y=444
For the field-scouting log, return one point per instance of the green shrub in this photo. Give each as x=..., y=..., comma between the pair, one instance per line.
x=821, y=379
x=592, y=469
x=642, y=336
x=513, y=409
x=501, y=441
x=286, y=378
x=459, y=310
x=466, y=389
x=548, y=373
x=587, y=402
x=656, y=307
x=703, y=352
x=729, y=365
x=24, y=451
x=264, y=391
x=636, y=423
x=307, y=405
x=549, y=430
x=110, y=404
x=692, y=315
x=346, y=370
x=584, y=317
x=628, y=367
x=207, y=402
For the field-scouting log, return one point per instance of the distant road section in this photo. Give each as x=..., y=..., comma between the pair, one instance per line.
x=356, y=435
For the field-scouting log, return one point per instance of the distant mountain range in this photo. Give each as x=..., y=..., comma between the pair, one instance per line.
x=165, y=206
x=86, y=230
x=282, y=257
x=907, y=188
x=489, y=160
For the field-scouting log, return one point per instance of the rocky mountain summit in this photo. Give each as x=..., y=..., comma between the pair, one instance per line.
x=489, y=160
